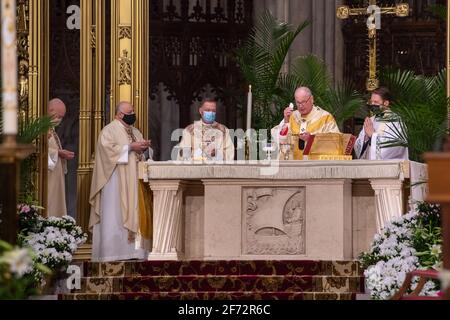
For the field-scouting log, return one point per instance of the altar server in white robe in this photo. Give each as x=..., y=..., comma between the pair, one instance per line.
x=378, y=129
x=120, y=223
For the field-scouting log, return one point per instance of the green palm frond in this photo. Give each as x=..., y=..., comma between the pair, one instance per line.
x=437, y=96
x=397, y=137
x=439, y=11
x=342, y=102
x=421, y=130
x=421, y=103
x=312, y=72
x=403, y=84
x=261, y=59
x=29, y=132
x=282, y=49
x=287, y=84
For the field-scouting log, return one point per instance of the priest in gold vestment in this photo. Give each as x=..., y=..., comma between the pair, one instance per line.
x=57, y=163
x=120, y=220
x=206, y=139
x=299, y=125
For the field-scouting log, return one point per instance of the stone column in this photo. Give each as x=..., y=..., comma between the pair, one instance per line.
x=167, y=220
x=388, y=201
x=419, y=183
x=322, y=38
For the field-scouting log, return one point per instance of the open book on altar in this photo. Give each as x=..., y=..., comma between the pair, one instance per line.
x=330, y=146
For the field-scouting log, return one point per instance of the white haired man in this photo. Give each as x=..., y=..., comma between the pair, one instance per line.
x=308, y=120
x=57, y=163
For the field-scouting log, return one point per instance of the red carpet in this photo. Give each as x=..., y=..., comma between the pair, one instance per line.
x=220, y=280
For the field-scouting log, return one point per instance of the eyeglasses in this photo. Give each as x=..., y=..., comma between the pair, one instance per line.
x=300, y=104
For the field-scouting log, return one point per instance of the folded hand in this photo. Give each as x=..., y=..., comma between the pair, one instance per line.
x=66, y=155
x=140, y=146
x=368, y=128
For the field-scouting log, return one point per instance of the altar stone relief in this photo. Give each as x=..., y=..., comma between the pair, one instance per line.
x=274, y=221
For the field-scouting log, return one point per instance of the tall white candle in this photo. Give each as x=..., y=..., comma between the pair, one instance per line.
x=9, y=66
x=249, y=108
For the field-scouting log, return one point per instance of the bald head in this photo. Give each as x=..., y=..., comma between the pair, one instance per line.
x=57, y=110
x=125, y=113
x=124, y=107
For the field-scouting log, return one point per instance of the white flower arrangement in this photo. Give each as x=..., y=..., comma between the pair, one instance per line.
x=394, y=253
x=16, y=272
x=19, y=262
x=54, y=240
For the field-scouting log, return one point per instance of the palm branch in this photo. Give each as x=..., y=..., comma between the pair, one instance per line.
x=422, y=106
x=29, y=132
x=438, y=10
x=261, y=59
x=342, y=102
x=403, y=84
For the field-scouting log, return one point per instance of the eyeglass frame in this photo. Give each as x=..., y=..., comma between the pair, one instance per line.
x=301, y=104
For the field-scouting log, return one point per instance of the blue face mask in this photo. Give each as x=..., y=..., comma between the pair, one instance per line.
x=209, y=117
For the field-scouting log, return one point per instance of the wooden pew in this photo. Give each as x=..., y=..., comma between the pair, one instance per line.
x=439, y=192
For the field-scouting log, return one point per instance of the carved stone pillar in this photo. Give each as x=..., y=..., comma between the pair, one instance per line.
x=167, y=220
x=388, y=200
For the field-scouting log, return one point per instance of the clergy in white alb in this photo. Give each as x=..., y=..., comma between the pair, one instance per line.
x=120, y=223
x=206, y=139
x=380, y=129
x=57, y=163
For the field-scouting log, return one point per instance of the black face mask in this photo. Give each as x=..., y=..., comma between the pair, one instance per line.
x=129, y=119
x=375, y=109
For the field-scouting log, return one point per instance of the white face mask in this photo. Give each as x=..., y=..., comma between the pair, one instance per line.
x=56, y=121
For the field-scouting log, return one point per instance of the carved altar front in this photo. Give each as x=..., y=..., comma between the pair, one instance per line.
x=301, y=210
